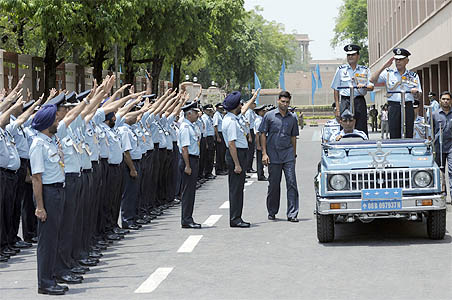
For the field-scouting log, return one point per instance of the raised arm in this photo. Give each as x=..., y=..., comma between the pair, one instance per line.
x=251, y=101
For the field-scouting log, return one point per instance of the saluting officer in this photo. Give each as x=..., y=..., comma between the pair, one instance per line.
x=234, y=135
x=189, y=140
x=352, y=74
x=400, y=79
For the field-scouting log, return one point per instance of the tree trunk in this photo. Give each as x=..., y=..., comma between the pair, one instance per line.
x=157, y=64
x=176, y=80
x=50, y=65
x=128, y=64
x=99, y=58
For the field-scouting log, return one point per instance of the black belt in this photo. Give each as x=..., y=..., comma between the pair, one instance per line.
x=24, y=160
x=73, y=174
x=136, y=160
x=156, y=145
x=95, y=161
x=104, y=159
x=194, y=156
x=87, y=170
x=9, y=171
x=55, y=185
x=356, y=97
x=114, y=165
x=241, y=149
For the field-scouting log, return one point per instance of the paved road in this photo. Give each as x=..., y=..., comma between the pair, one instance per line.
x=271, y=260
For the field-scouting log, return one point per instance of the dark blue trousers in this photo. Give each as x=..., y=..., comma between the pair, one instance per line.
x=188, y=189
x=236, y=184
x=48, y=233
x=130, y=195
x=274, y=188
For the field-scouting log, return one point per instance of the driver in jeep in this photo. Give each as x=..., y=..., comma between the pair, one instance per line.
x=348, y=122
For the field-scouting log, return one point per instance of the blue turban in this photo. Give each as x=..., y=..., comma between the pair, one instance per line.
x=45, y=117
x=232, y=101
x=109, y=116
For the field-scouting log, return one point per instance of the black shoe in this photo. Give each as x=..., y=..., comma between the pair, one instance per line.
x=4, y=258
x=8, y=252
x=176, y=201
x=15, y=249
x=87, y=262
x=251, y=171
x=78, y=270
x=53, y=290
x=241, y=224
x=94, y=254
x=262, y=178
x=247, y=176
x=131, y=227
x=295, y=220
x=34, y=240
x=271, y=217
x=198, y=185
x=121, y=231
x=210, y=177
x=113, y=237
x=69, y=279
x=142, y=222
x=22, y=245
x=192, y=225
x=64, y=287
x=101, y=247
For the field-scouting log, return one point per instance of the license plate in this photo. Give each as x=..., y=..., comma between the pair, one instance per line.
x=381, y=199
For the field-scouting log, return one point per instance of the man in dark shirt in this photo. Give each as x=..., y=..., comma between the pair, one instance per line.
x=279, y=130
x=442, y=123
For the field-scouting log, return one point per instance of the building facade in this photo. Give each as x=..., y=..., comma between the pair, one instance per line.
x=424, y=27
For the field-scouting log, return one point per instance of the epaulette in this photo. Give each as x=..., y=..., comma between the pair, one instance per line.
x=343, y=66
x=411, y=73
x=363, y=67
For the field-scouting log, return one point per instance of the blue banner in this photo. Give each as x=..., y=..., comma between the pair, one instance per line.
x=172, y=74
x=314, y=84
x=257, y=85
x=319, y=79
x=372, y=96
x=282, y=82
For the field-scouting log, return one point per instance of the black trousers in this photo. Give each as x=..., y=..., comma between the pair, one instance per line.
x=236, y=184
x=202, y=156
x=173, y=167
x=48, y=233
x=2, y=195
x=23, y=190
x=163, y=176
x=143, y=199
x=360, y=111
x=155, y=176
x=395, y=123
x=64, y=259
x=29, y=220
x=220, y=164
x=116, y=178
x=87, y=187
x=9, y=197
x=274, y=188
x=260, y=165
x=208, y=166
x=104, y=199
x=188, y=189
x=130, y=195
x=251, y=149
x=96, y=200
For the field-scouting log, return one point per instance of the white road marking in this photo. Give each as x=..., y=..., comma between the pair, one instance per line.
x=254, y=175
x=316, y=136
x=211, y=220
x=153, y=281
x=249, y=183
x=225, y=204
x=190, y=244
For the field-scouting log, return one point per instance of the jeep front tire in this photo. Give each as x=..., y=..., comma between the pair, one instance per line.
x=325, y=228
x=436, y=224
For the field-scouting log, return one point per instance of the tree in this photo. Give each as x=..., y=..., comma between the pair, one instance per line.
x=351, y=27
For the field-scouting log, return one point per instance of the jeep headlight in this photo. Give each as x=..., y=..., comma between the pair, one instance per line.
x=338, y=182
x=422, y=179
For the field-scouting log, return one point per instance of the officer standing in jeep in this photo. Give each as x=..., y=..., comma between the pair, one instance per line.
x=355, y=75
x=400, y=79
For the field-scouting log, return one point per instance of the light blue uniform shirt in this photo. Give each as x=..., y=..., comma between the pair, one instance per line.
x=92, y=136
x=189, y=137
x=45, y=159
x=244, y=122
x=72, y=152
x=250, y=116
x=129, y=141
x=346, y=75
x=136, y=129
x=208, y=121
x=154, y=128
x=233, y=131
x=218, y=121
x=14, y=159
x=407, y=81
x=114, y=145
x=169, y=137
x=174, y=130
x=20, y=138
x=201, y=126
x=104, y=149
x=161, y=133
x=146, y=125
x=4, y=153
x=257, y=123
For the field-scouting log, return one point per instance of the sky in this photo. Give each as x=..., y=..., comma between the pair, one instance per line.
x=313, y=17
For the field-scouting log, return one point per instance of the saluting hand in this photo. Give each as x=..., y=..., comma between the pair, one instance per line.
x=388, y=63
x=41, y=214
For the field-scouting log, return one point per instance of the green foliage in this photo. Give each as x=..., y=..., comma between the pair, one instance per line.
x=351, y=27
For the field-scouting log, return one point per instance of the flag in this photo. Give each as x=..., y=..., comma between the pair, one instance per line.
x=314, y=83
x=372, y=96
x=282, y=82
x=257, y=85
x=319, y=79
x=172, y=73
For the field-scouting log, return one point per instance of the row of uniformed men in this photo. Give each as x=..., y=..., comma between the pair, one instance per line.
x=87, y=165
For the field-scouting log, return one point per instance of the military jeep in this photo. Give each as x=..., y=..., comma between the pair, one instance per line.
x=368, y=180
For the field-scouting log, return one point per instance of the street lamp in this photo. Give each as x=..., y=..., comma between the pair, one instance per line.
x=187, y=77
x=195, y=79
